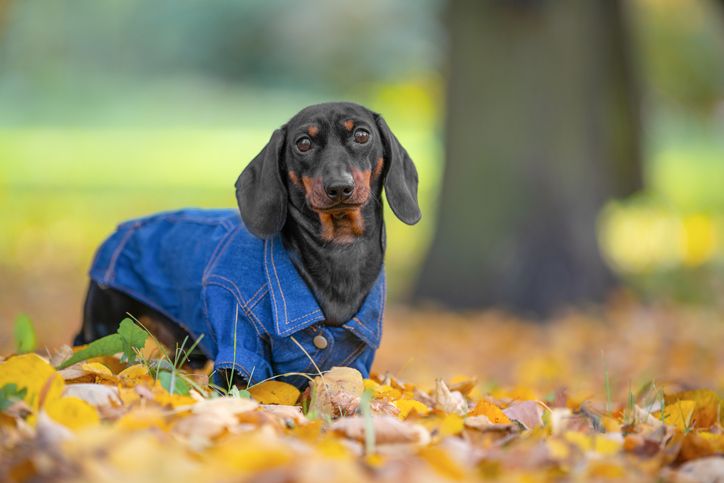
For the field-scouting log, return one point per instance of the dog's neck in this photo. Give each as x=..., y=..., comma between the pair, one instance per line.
x=341, y=272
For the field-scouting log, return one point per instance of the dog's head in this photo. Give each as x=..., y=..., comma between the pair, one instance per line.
x=330, y=161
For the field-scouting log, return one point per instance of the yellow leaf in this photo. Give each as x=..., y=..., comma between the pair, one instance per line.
x=96, y=367
x=72, y=412
x=494, y=414
x=678, y=414
x=518, y=393
x=143, y=418
x=133, y=372
x=370, y=385
x=715, y=440
x=440, y=461
x=275, y=392
x=251, y=452
x=406, y=406
x=451, y=425
x=595, y=442
x=28, y=371
x=388, y=392
x=333, y=448
x=709, y=406
x=161, y=395
x=605, y=469
x=557, y=449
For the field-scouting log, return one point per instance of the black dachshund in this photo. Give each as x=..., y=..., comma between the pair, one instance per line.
x=302, y=267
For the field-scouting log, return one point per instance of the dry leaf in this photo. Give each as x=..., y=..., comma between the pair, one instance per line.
x=527, y=413
x=494, y=413
x=704, y=470
x=388, y=430
x=96, y=395
x=345, y=404
x=275, y=392
x=450, y=402
x=383, y=407
x=339, y=379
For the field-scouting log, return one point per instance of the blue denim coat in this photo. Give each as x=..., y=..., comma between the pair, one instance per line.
x=206, y=272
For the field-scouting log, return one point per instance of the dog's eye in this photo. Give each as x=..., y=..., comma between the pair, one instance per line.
x=304, y=144
x=361, y=136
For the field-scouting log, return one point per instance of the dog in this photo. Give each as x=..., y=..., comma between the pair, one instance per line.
x=290, y=282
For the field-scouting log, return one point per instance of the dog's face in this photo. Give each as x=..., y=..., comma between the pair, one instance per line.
x=329, y=161
x=334, y=159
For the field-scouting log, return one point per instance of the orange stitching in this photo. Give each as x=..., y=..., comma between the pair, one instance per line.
x=354, y=354
x=271, y=290
x=286, y=317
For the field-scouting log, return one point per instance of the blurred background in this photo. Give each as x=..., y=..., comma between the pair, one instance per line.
x=566, y=150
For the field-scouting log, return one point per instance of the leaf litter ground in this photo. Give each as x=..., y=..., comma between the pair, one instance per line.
x=625, y=393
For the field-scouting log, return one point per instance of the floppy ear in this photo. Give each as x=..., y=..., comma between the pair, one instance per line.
x=401, y=178
x=260, y=192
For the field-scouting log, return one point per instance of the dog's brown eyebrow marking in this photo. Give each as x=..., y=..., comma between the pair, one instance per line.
x=349, y=124
x=313, y=130
x=378, y=169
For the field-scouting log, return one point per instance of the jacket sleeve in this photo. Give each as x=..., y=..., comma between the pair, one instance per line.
x=240, y=345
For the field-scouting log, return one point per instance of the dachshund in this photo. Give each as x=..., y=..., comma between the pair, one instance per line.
x=298, y=266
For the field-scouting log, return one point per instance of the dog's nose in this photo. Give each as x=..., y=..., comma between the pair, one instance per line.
x=340, y=191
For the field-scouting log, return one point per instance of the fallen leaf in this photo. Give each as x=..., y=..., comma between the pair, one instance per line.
x=494, y=413
x=96, y=395
x=338, y=379
x=383, y=407
x=594, y=442
x=388, y=430
x=678, y=414
x=345, y=404
x=30, y=372
x=527, y=413
x=440, y=461
x=704, y=470
x=708, y=406
x=406, y=406
x=64, y=353
x=450, y=402
x=71, y=412
x=275, y=392
x=224, y=405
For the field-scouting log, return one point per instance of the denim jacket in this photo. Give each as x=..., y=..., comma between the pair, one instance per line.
x=206, y=272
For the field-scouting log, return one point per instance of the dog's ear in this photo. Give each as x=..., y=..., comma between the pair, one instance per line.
x=260, y=192
x=401, y=177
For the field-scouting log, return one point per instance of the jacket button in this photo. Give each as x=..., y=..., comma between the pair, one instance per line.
x=320, y=342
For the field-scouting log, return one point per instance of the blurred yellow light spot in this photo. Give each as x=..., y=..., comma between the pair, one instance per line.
x=698, y=239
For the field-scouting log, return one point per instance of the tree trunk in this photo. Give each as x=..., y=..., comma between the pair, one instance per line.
x=542, y=129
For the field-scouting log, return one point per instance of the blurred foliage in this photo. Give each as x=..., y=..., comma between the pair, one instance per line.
x=670, y=240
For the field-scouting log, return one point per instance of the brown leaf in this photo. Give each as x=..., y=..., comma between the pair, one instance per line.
x=383, y=407
x=693, y=447
x=286, y=413
x=450, y=402
x=464, y=387
x=64, y=353
x=704, y=470
x=527, y=413
x=345, y=404
x=339, y=379
x=388, y=430
x=709, y=406
x=97, y=395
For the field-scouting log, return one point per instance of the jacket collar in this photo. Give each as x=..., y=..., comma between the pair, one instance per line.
x=295, y=308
